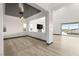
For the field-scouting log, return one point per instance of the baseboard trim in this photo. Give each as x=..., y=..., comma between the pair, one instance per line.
x=36, y=38
x=57, y=34
x=24, y=36
x=49, y=43
x=14, y=37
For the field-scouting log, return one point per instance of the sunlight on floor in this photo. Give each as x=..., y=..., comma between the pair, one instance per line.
x=70, y=44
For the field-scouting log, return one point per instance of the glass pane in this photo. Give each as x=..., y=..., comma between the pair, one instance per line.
x=73, y=26
x=65, y=26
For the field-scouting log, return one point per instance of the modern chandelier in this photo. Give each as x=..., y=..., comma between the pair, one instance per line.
x=21, y=12
x=22, y=15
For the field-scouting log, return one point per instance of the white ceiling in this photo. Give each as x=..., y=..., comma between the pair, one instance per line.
x=54, y=6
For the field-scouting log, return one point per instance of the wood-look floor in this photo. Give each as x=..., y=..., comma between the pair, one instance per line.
x=27, y=46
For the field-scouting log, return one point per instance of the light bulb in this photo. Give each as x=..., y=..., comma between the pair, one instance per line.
x=24, y=25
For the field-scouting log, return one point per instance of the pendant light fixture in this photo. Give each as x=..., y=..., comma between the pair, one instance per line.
x=22, y=16
x=21, y=12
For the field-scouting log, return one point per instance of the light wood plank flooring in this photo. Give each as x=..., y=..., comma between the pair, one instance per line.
x=27, y=46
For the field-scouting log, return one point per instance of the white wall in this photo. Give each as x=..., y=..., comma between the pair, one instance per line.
x=13, y=26
x=1, y=29
x=37, y=34
x=69, y=13
x=33, y=24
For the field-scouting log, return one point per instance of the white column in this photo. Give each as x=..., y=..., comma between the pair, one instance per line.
x=1, y=29
x=49, y=27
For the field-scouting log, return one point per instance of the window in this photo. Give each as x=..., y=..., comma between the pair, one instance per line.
x=70, y=28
